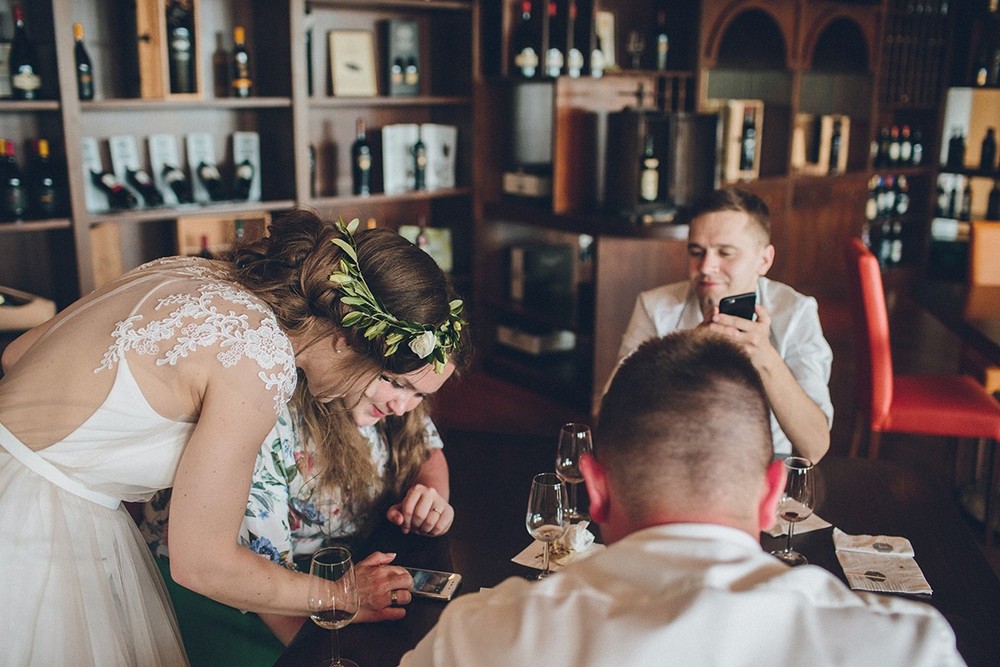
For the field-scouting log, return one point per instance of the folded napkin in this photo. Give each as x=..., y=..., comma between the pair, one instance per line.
x=879, y=563
x=576, y=543
x=812, y=522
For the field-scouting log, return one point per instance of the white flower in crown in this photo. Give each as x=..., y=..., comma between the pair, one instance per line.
x=423, y=344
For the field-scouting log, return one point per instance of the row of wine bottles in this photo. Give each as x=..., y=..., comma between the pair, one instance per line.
x=556, y=37
x=37, y=191
x=138, y=187
x=888, y=196
x=898, y=147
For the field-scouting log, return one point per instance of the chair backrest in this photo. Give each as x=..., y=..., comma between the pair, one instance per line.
x=873, y=355
x=984, y=253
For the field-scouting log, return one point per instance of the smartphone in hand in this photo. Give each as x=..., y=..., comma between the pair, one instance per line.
x=740, y=305
x=433, y=583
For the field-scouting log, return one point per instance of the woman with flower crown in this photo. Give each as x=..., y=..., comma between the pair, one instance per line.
x=172, y=376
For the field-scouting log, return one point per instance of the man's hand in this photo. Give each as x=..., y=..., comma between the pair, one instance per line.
x=754, y=336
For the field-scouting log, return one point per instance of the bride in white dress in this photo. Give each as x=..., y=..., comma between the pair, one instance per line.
x=172, y=376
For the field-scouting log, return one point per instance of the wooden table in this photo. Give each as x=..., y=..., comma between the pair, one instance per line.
x=971, y=312
x=857, y=495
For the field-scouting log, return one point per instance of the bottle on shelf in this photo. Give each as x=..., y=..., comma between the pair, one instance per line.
x=422, y=240
x=894, y=145
x=993, y=203
x=956, y=150
x=574, y=57
x=940, y=201
x=965, y=212
x=649, y=175
x=411, y=73
x=309, y=22
x=419, y=164
x=14, y=201
x=951, y=211
x=180, y=45
x=554, y=56
x=661, y=40
x=178, y=181
x=902, y=198
x=84, y=69
x=119, y=197
x=210, y=177
x=243, y=180
x=204, y=251
x=526, y=42
x=887, y=197
x=905, y=146
x=312, y=170
x=871, y=205
x=361, y=160
x=396, y=74
x=885, y=242
x=748, y=139
x=25, y=80
x=988, y=152
x=918, y=148
x=143, y=184
x=220, y=66
x=835, y=145
x=896, y=244
x=882, y=149
x=242, y=83
x=44, y=197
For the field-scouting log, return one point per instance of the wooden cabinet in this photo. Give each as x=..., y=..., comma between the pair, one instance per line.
x=295, y=121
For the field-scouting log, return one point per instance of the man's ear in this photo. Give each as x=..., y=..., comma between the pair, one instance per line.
x=595, y=476
x=774, y=486
x=766, y=260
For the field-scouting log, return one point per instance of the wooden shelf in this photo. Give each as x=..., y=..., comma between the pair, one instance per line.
x=579, y=223
x=382, y=198
x=26, y=106
x=383, y=101
x=182, y=104
x=444, y=5
x=154, y=214
x=21, y=226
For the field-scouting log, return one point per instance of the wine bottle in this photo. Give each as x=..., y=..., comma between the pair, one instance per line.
x=835, y=145
x=988, y=152
x=178, y=181
x=204, y=251
x=993, y=203
x=119, y=197
x=15, y=193
x=894, y=148
x=419, y=164
x=956, y=150
x=309, y=49
x=396, y=76
x=411, y=74
x=44, y=199
x=180, y=45
x=554, y=58
x=896, y=244
x=882, y=151
x=574, y=57
x=649, y=175
x=210, y=177
x=871, y=205
x=918, y=148
x=361, y=160
x=24, y=77
x=220, y=66
x=84, y=70
x=243, y=181
x=661, y=40
x=526, y=42
x=965, y=212
x=312, y=170
x=902, y=195
x=748, y=139
x=905, y=146
x=141, y=181
x=242, y=83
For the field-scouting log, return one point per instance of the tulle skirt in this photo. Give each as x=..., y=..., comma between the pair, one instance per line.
x=79, y=585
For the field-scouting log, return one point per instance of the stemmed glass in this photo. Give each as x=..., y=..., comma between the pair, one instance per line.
x=796, y=504
x=545, y=519
x=333, y=596
x=574, y=440
x=634, y=46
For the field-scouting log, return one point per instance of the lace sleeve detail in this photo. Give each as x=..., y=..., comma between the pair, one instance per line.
x=217, y=314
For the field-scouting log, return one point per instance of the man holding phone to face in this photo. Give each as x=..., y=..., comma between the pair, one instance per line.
x=729, y=253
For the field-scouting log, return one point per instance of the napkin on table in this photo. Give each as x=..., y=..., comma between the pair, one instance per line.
x=576, y=543
x=879, y=563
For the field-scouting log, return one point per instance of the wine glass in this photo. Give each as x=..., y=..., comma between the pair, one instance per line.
x=796, y=504
x=574, y=440
x=333, y=596
x=634, y=46
x=545, y=520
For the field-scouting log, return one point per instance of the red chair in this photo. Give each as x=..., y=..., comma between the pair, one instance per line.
x=941, y=405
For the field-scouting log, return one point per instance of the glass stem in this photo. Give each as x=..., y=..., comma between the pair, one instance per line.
x=545, y=557
x=335, y=647
x=788, y=542
x=571, y=491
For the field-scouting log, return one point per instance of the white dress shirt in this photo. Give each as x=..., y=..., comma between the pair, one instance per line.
x=684, y=594
x=795, y=333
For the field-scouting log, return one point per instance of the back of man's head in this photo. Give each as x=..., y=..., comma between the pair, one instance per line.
x=685, y=432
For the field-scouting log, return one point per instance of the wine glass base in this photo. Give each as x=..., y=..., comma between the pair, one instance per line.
x=343, y=662
x=789, y=557
x=543, y=575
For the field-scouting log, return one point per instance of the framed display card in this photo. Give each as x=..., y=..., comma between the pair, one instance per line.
x=352, y=63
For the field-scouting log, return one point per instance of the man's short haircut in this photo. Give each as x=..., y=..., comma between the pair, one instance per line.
x=686, y=422
x=735, y=199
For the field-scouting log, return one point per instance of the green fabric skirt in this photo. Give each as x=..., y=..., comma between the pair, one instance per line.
x=217, y=635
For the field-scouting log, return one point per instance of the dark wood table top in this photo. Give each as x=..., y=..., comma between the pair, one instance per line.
x=856, y=495
x=972, y=312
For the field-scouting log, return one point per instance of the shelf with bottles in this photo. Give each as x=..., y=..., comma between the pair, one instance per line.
x=146, y=215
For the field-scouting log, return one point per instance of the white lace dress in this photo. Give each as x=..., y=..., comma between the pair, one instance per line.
x=79, y=584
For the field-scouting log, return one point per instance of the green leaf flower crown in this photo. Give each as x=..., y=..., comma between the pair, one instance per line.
x=425, y=340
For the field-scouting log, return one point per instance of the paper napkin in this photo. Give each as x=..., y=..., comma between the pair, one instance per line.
x=879, y=563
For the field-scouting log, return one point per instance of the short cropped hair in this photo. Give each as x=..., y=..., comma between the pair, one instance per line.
x=735, y=199
x=685, y=422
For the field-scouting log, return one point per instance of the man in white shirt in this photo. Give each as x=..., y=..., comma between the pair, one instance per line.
x=681, y=483
x=729, y=252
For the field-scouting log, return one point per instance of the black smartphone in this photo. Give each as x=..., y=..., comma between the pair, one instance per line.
x=433, y=583
x=740, y=305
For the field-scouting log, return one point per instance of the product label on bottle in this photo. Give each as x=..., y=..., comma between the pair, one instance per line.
x=26, y=80
x=574, y=63
x=553, y=62
x=365, y=162
x=649, y=181
x=527, y=61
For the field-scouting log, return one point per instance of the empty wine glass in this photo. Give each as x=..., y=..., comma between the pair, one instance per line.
x=796, y=504
x=333, y=596
x=545, y=520
x=574, y=440
x=634, y=46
